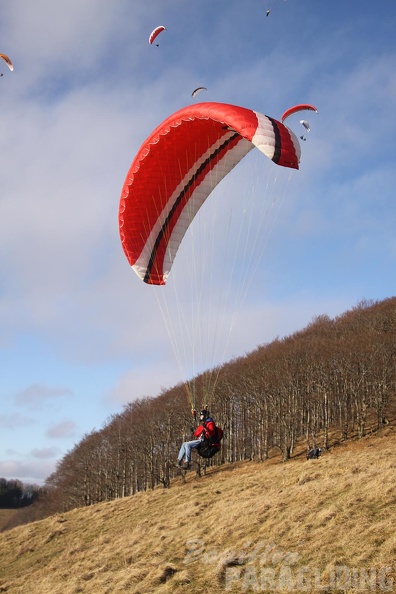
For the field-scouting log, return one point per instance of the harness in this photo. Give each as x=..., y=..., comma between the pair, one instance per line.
x=209, y=446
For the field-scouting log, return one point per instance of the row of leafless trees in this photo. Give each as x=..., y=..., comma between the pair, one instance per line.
x=15, y=494
x=333, y=380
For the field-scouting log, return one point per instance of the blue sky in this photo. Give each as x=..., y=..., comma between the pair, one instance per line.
x=80, y=334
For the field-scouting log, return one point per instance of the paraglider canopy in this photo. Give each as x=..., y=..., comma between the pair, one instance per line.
x=176, y=169
x=7, y=61
x=296, y=109
x=198, y=90
x=154, y=34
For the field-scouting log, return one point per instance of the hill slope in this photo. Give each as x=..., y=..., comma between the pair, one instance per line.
x=322, y=525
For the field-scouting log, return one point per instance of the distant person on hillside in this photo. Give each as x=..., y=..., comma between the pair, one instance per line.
x=314, y=454
x=207, y=428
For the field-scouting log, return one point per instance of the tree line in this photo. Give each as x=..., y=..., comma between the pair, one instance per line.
x=331, y=381
x=15, y=494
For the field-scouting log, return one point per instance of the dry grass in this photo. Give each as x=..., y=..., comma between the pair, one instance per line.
x=244, y=528
x=5, y=515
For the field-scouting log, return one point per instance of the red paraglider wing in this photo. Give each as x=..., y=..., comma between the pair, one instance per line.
x=155, y=33
x=296, y=108
x=7, y=61
x=176, y=169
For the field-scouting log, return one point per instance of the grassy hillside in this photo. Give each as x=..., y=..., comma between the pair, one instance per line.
x=5, y=514
x=324, y=525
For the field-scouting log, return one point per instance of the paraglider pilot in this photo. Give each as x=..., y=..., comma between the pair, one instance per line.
x=207, y=428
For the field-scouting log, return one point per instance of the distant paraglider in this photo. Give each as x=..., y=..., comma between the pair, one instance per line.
x=198, y=90
x=268, y=10
x=154, y=34
x=296, y=109
x=7, y=61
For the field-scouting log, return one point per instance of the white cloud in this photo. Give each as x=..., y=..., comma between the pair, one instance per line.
x=45, y=453
x=144, y=381
x=27, y=471
x=65, y=429
x=36, y=396
x=14, y=421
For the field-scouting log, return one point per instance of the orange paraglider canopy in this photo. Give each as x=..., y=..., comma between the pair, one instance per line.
x=7, y=61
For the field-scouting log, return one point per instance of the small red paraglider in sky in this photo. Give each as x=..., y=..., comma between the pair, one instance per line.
x=296, y=109
x=154, y=34
x=8, y=62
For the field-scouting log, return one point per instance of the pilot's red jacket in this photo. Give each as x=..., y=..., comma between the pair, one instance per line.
x=208, y=429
